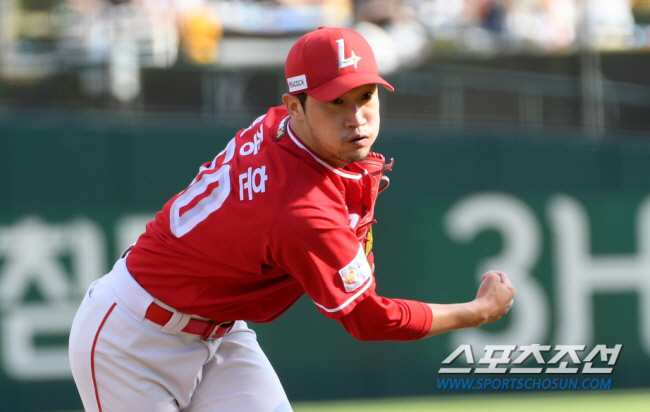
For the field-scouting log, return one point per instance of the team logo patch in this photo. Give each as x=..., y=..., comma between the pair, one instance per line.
x=297, y=83
x=355, y=273
x=282, y=129
x=351, y=277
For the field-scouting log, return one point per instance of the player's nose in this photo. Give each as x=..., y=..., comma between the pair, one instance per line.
x=356, y=116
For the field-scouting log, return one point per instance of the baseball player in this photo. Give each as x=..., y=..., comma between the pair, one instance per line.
x=284, y=209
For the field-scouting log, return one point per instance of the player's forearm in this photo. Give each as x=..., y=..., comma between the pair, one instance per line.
x=493, y=300
x=448, y=317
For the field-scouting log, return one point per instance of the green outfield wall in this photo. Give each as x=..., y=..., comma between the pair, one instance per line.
x=567, y=218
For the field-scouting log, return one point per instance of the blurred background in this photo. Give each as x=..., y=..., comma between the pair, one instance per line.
x=574, y=64
x=521, y=136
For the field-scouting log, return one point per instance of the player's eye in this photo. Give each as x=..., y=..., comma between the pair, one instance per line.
x=337, y=101
x=367, y=96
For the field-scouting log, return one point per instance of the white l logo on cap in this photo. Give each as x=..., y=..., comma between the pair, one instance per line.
x=349, y=61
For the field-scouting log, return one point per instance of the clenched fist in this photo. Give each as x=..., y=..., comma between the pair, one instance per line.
x=494, y=297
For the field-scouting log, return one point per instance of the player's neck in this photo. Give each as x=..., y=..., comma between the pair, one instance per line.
x=305, y=135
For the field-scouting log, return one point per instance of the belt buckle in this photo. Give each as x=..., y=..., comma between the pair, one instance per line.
x=216, y=330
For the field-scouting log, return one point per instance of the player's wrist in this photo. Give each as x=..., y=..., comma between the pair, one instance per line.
x=478, y=312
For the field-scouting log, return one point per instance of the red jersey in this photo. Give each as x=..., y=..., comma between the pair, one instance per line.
x=264, y=222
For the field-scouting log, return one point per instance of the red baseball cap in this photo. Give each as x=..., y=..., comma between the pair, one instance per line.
x=329, y=62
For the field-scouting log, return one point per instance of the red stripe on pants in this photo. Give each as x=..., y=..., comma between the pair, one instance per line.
x=92, y=355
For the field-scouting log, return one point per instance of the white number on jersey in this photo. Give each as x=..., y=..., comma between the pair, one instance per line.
x=179, y=223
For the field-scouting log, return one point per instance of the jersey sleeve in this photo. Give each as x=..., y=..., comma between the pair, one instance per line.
x=312, y=240
x=379, y=318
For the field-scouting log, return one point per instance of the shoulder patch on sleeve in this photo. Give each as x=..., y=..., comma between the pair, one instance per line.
x=355, y=273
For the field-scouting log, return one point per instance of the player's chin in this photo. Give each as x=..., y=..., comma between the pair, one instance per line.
x=356, y=155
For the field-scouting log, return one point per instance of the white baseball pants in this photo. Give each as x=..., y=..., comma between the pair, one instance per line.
x=122, y=362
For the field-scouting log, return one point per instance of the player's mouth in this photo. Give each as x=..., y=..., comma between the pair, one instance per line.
x=358, y=139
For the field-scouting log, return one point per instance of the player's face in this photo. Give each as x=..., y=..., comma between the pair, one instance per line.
x=343, y=130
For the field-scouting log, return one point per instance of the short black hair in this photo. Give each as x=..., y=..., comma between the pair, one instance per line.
x=302, y=97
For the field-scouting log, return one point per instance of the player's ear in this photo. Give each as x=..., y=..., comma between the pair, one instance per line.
x=293, y=105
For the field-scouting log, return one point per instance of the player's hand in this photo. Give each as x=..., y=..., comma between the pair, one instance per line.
x=494, y=297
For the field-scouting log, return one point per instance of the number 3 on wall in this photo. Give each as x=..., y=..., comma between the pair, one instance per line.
x=183, y=219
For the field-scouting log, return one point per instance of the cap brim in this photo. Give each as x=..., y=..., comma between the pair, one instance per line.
x=339, y=86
